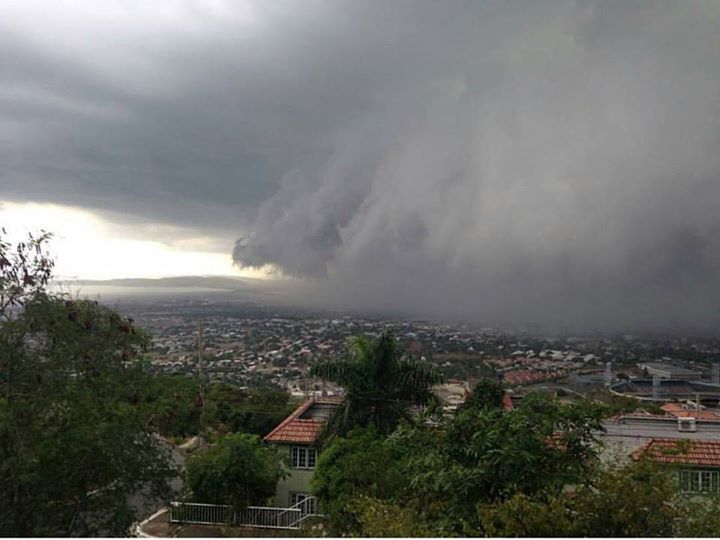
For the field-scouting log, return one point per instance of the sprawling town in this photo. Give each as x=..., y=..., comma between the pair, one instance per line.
x=255, y=346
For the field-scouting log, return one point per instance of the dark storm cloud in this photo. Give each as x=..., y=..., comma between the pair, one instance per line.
x=193, y=122
x=558, y=165
x=501, y=161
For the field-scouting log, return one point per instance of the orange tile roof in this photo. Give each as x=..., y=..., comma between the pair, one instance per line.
x=295, y=429
x=678, y=410
x=681, y=452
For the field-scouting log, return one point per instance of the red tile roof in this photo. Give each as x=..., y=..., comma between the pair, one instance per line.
x=295, y=429
x=681, y=452
x=507, y=402
x=678, y=411
x=526, y=376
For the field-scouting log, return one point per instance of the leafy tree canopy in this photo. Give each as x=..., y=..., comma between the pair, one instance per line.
x=490, y=454
x=384, y=518
x=635, y=500
x=239, y=470
x=529, y=472
x=171, y=403
x=25, y=270
x=436, y=475
x=255, y=410
x=486, y=394
x=73, y=442
x=360, y=464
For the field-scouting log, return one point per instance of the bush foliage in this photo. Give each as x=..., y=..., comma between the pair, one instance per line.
x=239, y=470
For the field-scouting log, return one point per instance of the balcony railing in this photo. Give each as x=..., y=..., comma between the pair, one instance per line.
x=266, y=517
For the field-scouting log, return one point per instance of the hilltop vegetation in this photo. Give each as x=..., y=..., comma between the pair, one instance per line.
x=239, y=470
x=81, y=419
x=204, y=282
x=174, y=409
x=530, y=472
x=74, y=441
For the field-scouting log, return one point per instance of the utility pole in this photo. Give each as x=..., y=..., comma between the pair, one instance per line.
x=201, y=377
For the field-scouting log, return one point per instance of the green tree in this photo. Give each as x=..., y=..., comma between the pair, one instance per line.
x=171, y=406
x=239, y=470
x=360, y=464
x=256, y=410
x=73, y=442
x=635, y=500
x=383, y=518
x=486, y=394
x=699, y=517
x=24, y=271
x=435, y=476
x=171, y=403
x=483, y=455
x=522, y=516
x=381, y=382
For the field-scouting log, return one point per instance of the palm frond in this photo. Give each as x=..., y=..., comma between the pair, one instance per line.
x=414, y=379
x=380, y=383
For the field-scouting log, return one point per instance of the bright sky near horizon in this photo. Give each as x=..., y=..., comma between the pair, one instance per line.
x=86, y=246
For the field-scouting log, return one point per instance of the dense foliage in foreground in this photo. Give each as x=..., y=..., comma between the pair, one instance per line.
x=81, y=421
x=171, y=402
x=239, y=470
x=439, y=473
x=73, y=441
x=532, y=471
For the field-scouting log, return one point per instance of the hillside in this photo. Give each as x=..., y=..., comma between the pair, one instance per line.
x=204, y=282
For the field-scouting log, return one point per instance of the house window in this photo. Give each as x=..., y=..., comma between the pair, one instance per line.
x=708, y=481
x=307, y=503
x=303, y=457
x=694, y=481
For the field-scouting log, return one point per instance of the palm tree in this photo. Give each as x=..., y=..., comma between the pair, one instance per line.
x=381, y=382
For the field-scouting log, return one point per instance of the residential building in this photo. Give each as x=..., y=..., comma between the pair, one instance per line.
x=696, y=463
x=296, y=439
x=625, y=433
x=452, y=393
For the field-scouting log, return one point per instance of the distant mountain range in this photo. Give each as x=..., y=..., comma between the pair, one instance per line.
x=201, y=282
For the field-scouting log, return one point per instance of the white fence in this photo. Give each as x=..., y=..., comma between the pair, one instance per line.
x=252, y=516
x=204, y=514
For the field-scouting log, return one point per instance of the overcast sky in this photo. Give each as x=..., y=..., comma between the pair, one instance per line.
x=498, y=161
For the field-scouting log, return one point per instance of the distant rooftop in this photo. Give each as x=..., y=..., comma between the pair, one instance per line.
x=661, y=365
x=683, y=411
x=673, y=371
